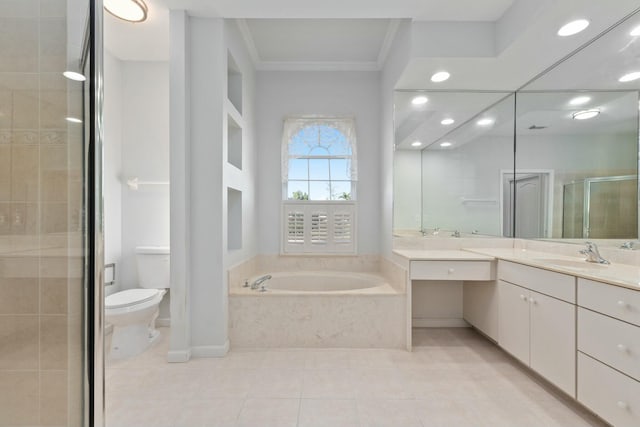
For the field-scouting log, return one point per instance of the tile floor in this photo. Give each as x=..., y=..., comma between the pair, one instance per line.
x=454, y=378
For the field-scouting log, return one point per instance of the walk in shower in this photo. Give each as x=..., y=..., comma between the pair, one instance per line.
x=47, y=213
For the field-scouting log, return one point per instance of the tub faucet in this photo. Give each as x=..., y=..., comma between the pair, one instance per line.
x=255, y=285
x=455, y=234
x=593, y=254
x=627, y=245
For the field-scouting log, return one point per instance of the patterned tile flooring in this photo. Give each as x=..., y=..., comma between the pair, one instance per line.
x=453, y=378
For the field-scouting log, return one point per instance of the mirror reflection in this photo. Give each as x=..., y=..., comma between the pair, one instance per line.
x=557, y=159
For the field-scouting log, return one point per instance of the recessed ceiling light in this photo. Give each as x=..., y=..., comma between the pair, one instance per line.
x=440, y=76
x=635, y=32
x=580, y=100
x=445, y=144
x=419, y=100
x=573, y=27
x=485, y=122
x=586, y=114
x=630, y=77
x=127, y=10
x=447, y=122
x=72, y=75
x=73, y=120
x=416, y=144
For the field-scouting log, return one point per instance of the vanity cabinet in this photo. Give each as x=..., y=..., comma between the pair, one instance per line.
x=536, y=323
x=609, y=351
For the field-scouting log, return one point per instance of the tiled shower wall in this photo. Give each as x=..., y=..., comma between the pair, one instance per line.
x=41, y=260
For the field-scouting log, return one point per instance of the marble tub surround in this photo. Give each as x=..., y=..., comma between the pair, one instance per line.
x=317, y=321
x=360, y=318
x=266, y=264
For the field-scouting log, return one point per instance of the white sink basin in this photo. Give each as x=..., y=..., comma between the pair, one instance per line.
x=570, y=263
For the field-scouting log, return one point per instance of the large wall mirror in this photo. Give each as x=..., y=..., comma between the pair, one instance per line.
x=557, y=159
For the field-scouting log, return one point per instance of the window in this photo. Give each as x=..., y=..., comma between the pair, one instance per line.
x=319, y=159
x=319, y=177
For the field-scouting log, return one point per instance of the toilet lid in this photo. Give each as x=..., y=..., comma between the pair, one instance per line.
x=129, y=297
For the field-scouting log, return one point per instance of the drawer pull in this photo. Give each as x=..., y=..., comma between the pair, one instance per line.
x=451, y=271
x=622, y=404
x=622, y=348
x=622, y=304
x=523, y=298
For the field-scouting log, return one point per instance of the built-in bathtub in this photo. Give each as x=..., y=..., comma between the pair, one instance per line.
x=325, y=282
x=318, y=307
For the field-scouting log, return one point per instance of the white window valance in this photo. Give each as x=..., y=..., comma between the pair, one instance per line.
x=301, y=135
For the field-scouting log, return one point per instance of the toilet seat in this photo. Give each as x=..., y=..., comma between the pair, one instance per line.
x=130, y=297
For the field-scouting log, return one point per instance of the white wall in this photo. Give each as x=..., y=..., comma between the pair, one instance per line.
x=395, y=64
x=112, y=165
x=283, y=93
x=136, y=145
x=145, y=154
x=199, y=113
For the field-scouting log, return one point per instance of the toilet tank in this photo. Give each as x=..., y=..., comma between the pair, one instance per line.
x=153, y=267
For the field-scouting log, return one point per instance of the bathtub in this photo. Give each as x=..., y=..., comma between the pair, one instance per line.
x=324, y=282
x=319, y=309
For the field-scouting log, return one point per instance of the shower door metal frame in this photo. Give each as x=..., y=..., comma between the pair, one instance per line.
x=92, y=56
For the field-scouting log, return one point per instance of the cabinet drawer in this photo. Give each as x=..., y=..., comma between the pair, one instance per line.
x=611, y=341
x=557, y=285
x=614, y=301
x=610, y=394
x=452, y=270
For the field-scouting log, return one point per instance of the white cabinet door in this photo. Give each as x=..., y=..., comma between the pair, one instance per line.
x=553, y=340
x=513, y=320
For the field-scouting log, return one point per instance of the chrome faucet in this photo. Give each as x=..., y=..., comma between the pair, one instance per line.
x=256, y=284
x=628, y=245
x=455, y=234
x=593, y=254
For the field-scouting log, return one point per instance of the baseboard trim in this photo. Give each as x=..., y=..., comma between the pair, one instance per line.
x=166, y=322
x=178, y=356
x=210, y=350
x=439, y=323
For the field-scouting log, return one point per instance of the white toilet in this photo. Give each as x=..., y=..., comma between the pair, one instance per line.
x=133, y=312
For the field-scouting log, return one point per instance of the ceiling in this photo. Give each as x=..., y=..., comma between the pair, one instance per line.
x=422, y=10
x=312, y=41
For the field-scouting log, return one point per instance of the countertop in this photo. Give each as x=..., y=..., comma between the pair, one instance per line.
x=623, y=275
x=442, y=255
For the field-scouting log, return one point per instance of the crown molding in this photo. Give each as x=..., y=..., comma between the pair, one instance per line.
x=385, y=48
x=317, y=66
x=248, y=41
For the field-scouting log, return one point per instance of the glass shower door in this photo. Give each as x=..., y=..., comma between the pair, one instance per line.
x=47, y=237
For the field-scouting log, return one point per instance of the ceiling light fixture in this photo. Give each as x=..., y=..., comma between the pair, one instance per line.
x=416, y=144
x=580, y=100
x=447, y=122
x=630, y=77
x=72, y=75
x=440, y=76
x=585, y=115
x=419, y=100
x=73, y=120
x=573, y=27
x=445, y=144
x=127, y=10
x=635, y=32
x=485, y=122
